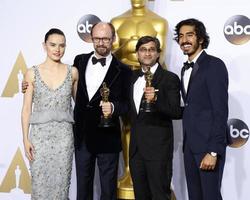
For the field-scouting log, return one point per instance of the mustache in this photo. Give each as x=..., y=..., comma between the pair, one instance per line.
x=101, y=46
x=185, y=43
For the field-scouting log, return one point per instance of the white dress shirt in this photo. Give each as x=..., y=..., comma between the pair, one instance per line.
x=95, y=75
x=188, y=72
x=187, y=75
x=138, y=87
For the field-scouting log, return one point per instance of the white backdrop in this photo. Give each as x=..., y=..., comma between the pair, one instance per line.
x=23, y=25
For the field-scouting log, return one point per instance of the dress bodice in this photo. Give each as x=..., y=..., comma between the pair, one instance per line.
x=51, y=104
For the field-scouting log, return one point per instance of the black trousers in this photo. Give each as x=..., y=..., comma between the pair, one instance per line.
x=85, y=170
x=151, y=178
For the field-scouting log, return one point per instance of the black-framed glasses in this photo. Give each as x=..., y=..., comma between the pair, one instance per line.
x=104, y=39
x=145, y=50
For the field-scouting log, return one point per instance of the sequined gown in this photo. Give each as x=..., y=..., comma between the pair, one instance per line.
x=52, y=137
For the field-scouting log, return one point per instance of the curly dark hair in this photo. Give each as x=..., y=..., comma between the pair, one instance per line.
x=199, y=28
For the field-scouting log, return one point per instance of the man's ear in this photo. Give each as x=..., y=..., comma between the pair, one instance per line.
x=137, y=56
x=114, y=38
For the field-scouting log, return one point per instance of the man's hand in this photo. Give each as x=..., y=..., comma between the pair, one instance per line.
x=24, y=86
x=149, y=93
x=208, y=162
x=106, y=108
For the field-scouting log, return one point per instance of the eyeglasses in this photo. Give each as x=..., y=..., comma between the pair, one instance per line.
x=104, y=39
x=145, y=50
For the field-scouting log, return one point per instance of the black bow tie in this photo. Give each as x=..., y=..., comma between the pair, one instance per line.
x=187, y=65
x=141, y=73
x=101, y=60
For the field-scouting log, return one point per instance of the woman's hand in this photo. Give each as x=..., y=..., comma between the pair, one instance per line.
x=29, y=150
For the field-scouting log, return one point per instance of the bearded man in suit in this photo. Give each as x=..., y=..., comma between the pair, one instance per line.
x=205, y=94
x=92, y=141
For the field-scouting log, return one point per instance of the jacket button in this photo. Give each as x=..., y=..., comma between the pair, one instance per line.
x=186, y=104
x=89, y=106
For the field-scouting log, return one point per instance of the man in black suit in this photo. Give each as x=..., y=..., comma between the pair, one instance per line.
x=205, y=95
x=93, y=142
x=151, y=141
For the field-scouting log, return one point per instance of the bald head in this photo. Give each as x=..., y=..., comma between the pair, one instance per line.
x=103, y=36
x=103, y=26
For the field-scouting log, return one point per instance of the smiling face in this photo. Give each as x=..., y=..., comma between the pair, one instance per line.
x=55, y=47
x=147, y=54
x=188, y=41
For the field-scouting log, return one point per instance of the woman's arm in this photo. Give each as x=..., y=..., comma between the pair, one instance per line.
x=75, y=77
x=26, y=112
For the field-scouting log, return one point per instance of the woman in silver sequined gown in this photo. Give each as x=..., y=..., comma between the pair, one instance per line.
x=47, y=108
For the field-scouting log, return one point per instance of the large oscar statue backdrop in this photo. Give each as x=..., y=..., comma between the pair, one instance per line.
x=23, y=25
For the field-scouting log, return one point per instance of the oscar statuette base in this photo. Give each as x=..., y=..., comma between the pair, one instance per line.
x=125, y=187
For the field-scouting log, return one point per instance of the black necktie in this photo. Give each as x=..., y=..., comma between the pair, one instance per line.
x=101, y=60
x=187, y=65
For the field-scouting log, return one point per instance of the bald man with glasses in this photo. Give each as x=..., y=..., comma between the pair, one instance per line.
x=94, y=143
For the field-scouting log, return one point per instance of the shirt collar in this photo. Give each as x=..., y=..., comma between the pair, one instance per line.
x=153, y=68
x=196, y=57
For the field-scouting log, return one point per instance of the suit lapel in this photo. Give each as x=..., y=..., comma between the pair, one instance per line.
x=157, y=76
x=135, y=76
x=183, y=91
x=195, y=69
x=83, y=65
x=112, y=74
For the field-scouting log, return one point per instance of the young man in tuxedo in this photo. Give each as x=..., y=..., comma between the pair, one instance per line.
x=93, y=142
x=151, y=141
x=204, y=89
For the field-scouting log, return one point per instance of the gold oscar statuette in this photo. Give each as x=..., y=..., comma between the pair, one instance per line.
x=148, y=106
x=132, y=25
x=105, y=119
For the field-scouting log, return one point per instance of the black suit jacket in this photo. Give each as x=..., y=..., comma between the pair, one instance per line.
x=152, y=133
x=206, y=106
x=87, y=113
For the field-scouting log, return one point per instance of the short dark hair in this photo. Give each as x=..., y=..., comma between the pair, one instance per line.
x=199, y=28
x=108, y=23
x=53, y=31
x=146, y=39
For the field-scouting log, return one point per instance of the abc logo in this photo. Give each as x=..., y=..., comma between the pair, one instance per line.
x=84, y=26
x=239, y=132
x=237, y=29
